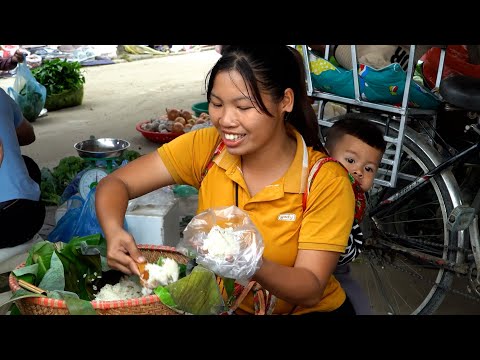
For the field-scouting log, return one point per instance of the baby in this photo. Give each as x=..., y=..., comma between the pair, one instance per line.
x=358, y=145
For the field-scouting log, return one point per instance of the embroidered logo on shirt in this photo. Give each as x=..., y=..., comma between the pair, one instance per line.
x=287, y=217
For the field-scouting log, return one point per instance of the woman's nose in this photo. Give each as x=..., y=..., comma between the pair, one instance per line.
x=227, y=118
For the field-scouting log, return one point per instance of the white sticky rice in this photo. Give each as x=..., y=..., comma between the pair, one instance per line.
x=123, y=290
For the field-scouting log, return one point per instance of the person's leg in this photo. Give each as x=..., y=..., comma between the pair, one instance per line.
x=20, y=221
x=354, y=291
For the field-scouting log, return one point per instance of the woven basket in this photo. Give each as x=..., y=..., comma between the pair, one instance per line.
x=147, y=305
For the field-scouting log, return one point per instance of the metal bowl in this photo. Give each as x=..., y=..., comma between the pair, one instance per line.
x=101, y=148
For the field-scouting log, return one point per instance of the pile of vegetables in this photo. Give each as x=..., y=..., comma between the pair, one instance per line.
x=54, y=182
x=59, y=75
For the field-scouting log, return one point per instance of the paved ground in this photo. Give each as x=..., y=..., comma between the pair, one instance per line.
x=117, y=97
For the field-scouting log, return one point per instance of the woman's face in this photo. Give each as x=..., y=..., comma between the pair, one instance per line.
x=242, y=127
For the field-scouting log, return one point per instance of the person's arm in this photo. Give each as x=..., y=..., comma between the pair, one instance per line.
x=326, y=226
x=305, y=283
x=11, y=62
x=139, y=177
x=25, y=133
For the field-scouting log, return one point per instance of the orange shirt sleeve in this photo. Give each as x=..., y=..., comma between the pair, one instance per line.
x=186, y=156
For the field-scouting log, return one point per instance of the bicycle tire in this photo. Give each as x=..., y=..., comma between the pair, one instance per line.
x=407, y=295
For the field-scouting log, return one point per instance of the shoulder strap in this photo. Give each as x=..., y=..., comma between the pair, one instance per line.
x=217, y=151
x=360, y=201
x=311, y=175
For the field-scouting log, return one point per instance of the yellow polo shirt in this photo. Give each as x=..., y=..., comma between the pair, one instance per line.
x=277, y=209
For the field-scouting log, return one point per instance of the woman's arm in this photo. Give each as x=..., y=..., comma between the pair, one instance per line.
x=305, y=283
x=139, y=177
x=326, y=225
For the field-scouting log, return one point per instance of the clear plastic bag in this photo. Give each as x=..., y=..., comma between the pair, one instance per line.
x=225, y=241
x=28, y=93
x=155, y=198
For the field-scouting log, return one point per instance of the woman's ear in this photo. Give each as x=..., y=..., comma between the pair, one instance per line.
x=288, y=99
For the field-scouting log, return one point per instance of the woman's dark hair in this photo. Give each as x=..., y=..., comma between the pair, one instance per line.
x=271, y=68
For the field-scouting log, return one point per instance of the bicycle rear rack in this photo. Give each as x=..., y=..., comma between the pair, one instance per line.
x=387, y=174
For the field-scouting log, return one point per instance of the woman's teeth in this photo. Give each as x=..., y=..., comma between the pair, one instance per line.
x=233, y=137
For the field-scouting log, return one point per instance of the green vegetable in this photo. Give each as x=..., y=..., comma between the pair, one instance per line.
x=58, y=75
x=66, y=170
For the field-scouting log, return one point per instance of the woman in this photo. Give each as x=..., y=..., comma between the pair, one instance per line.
x=266, y=137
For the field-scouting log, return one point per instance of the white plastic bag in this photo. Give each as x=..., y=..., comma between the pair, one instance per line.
x=225, y=241
x=159, y=197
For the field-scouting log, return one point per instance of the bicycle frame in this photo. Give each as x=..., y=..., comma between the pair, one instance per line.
x=421, y=181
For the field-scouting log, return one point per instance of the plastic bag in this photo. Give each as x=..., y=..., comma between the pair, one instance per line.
x=225, y=241
x=79, y=220
x=28, y=93
x=159, y=197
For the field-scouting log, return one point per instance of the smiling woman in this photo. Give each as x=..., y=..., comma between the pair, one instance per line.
x=258, y=156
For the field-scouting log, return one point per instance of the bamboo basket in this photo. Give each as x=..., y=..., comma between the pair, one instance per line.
x=147, y=305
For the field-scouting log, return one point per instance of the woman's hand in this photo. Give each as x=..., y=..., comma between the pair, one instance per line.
x=122, y=253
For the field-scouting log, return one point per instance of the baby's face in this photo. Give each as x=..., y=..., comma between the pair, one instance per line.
x=360, y=159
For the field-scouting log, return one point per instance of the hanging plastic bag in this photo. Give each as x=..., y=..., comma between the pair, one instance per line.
x=79, y=220
x=64, y=230
x=28, y=93
x=225, y=241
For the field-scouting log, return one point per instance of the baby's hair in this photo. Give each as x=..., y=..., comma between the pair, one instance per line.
x=362, y=129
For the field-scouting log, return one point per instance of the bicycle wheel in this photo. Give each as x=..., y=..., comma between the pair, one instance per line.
x=395, y=281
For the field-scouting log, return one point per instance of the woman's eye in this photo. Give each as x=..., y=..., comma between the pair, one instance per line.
x=215, y=105
x=244, y=107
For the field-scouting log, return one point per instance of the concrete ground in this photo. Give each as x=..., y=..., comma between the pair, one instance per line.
x=120, y=95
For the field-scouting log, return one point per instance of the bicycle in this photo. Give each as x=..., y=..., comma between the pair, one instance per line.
x=419, y=234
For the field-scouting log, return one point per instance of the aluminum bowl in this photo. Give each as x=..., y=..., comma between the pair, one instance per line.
x=101, y=148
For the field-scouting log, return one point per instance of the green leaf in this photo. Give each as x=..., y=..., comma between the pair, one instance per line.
x=31, y=269
x=197, y=293
x=58, y=75
x=182, y=270
x=41, y=254
x=27, y=273
x=165, y=296
x=21, y=294
x=61, y=295
x=79, y=306
x=14, y=310
x=54, y=278
x=229, y=285
x=82, y=264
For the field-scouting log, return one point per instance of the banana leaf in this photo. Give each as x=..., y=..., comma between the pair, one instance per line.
x=197, y=293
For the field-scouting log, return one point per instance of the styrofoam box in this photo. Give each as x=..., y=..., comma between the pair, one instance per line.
x=149, y=225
